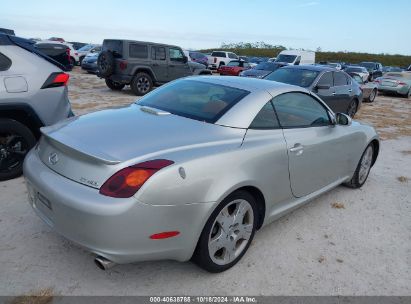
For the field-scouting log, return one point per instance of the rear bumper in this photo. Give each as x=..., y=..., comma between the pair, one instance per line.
x=117, y=229
x=399, y=90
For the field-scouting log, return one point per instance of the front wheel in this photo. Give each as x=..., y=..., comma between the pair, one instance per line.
x=352, y=108
x=141, y=84
x=363, y=168
x=372, y=95
x=228, y=233
x=16, y=140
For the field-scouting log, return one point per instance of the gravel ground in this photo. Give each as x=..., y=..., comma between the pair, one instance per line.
x=346, y=242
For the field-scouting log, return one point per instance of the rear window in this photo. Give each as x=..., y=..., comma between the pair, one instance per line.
x=138, y=50
x=194, y=99
x=218, y=54
x=5, y=62
x=267, y=66
x=234, y=63
x=114, y=46
x=299, y=77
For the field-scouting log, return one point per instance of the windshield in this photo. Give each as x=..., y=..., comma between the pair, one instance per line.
x=86, y=47
x=355, y=70
x=286, y=58
x=194, y=99
x=368, y=65
x=299, y=77
x=234, y=63
x=266, y=66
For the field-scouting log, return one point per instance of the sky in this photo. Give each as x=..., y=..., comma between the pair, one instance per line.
x=375, y=26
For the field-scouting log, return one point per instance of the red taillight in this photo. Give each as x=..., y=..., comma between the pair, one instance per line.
x=126, y=182
x=401, y=83
x=56, y=80
x=164, y=235
x=123, y=65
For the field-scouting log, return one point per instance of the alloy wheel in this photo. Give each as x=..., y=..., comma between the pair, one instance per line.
x=365, y=164
x=231, y=232
x=143, y=84
x=13, y=149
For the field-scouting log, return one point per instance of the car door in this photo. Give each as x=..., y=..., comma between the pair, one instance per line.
x=159, y=63
x=343, y=92
x=177, y=66
x=324, y=88
x=318, y=153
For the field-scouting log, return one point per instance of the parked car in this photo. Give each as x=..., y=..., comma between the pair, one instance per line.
x=89, y=63
x=387, y=69
x=7, y=31
x=369, y=89
x=77, y=45
x=141, y=64
x=335, y=87
x=89, y=48
x=395, y=82
x=374, y=68
x=196, y=57
x=335, y=65
x=58, y=39
x=201, y=164
x=219, y=58
x=233, y=68
x=33, y=94
x=57, y=51
x=295, y=57
x=261, y=70
x=358, y=70
x=74, y=57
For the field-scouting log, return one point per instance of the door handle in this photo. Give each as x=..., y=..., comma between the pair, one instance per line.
x=298, y=149
x=350, y=90
x=155, y=64
x=333, y=94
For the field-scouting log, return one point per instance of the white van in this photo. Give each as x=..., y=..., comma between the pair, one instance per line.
x=294, y=57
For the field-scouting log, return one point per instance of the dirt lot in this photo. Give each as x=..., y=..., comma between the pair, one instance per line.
x=347, y=242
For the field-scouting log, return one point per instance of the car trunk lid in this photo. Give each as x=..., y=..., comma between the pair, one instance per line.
x=90, y=148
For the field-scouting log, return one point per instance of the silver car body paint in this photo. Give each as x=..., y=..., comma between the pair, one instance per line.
x=217, y=159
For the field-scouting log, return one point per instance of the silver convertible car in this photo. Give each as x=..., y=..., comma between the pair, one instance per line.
x=193, y=169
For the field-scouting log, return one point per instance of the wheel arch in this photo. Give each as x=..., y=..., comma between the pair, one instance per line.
x=144, y=69
x=23, y=114
x=376, y=146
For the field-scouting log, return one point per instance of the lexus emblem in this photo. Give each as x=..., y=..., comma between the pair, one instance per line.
x=53, y=158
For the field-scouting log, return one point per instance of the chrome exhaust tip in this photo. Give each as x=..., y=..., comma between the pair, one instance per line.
x=103, y=263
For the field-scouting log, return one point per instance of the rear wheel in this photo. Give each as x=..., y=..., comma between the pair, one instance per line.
x=115, y=86
x=352, y=108
x=16, y=140
x=228, y=233
x=363, y=168
x=105, y=63
x=141, y=84
x=372, y=95
x=72, y=61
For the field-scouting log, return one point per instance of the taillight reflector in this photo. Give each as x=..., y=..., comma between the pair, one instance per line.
x=164, y=235
x=126, y=182
x=56, y=80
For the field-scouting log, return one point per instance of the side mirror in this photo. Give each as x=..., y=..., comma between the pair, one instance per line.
x=92, y=51
x=343, y=119
x=323, y=87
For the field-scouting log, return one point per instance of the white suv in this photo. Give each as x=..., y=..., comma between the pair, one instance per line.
x=219, y=58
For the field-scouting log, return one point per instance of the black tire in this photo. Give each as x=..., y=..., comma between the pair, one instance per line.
x=72, y=61
x=352, y=108
x=221, y=64
x=81, y=60
x=356, y=181
x=373, y=95
x=115, y=86
x=16, y=140
x=105, y=63
x=201, y=254
x=141, y=84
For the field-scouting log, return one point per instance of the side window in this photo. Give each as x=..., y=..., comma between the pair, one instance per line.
x=300, y=110
x=97, y=49
x=232, y=56
x=138, y=50
x=326, y=79
x=176, y=54
x=340, y=79
x=5, y=63
x=266, y=118
x=158, y=53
